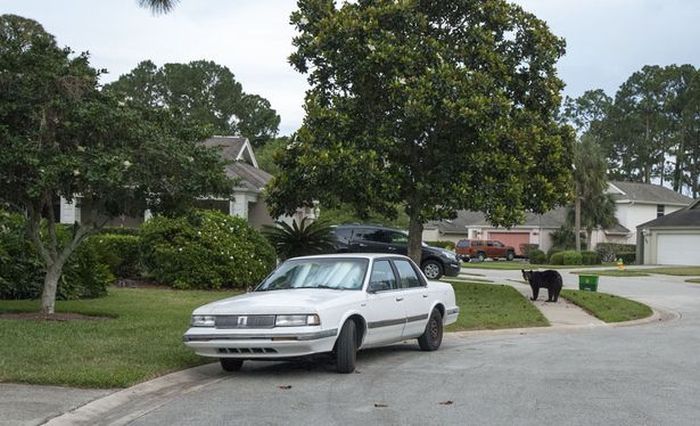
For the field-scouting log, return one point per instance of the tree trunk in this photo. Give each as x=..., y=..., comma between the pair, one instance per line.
x=415, y=239
x=48, y=295
x=589, y=237
x=577, y=218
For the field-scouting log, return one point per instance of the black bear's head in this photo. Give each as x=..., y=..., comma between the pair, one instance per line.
x=526, y=275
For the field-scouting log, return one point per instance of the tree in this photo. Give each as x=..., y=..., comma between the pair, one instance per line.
x=159, y=6
x=61, y=136
x=434, y=106
x=204, y=92
x=593, y=208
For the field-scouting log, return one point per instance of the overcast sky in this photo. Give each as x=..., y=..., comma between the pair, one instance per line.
x=607, y=40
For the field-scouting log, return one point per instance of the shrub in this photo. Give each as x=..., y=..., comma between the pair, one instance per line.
x=537, y=257
x=572, y=257
x=609, y=252
x=557, y=258
x=120, y=252
x=303, y=238
x=628, y=257
x=205, y=250
x=449, y=245
x=525, y=249
x=22, y=270
x=590, y=258
x=551, y=252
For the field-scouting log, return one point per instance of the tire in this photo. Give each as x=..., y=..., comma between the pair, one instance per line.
x=346, y=348
x=231, y=364
x=432, y=269
x=481, y=256
x=466, y=259
x=510, y=256
x=431, y=339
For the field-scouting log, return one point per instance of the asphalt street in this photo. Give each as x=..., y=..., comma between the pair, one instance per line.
x=645, y=374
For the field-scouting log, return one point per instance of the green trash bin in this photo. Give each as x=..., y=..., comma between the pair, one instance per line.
x=588, y=282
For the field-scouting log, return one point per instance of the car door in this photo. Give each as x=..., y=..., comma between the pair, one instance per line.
x=369, y=240
x=398, y=242
x=416, y=300
x=384, y=310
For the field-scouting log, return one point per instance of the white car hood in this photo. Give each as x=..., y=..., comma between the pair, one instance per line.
x=299, y=301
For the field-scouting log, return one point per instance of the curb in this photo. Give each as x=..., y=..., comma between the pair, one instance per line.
x=127, y=405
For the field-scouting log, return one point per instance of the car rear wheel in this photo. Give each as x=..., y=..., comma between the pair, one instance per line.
x=510, y=256
x=431, y=339
x=346, y=348
x=481, y=256
x=231, y=364
x=432, y=269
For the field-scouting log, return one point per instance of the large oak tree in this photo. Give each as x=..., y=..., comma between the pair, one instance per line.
x=60, y=136
x=431, y=105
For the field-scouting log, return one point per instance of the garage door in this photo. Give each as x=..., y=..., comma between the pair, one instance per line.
x=511, y=239
x=678, y=249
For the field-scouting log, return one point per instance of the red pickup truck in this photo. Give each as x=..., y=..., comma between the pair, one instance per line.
x=481, y=249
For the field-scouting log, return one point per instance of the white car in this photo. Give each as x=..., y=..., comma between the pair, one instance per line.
x=325, y=304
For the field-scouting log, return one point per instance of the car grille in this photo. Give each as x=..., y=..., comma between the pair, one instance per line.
x=244, y=321
x=247, y=351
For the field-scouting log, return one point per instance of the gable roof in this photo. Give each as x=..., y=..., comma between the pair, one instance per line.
x=688, y=217
x=646, y=193
x=553, y=219
x=243, y=165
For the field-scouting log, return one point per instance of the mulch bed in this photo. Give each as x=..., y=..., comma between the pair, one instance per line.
x=59, y=316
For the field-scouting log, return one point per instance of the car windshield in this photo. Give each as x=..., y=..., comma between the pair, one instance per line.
x=335, y=274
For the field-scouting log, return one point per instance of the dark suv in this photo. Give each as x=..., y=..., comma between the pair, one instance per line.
x=377, y=239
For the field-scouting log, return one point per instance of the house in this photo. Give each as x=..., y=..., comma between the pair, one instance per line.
x=247, y=201
x=636, y=203
x=673, y=239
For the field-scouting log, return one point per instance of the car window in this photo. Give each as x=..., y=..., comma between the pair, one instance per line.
x=497, y=244
x=398, y=238
x=342, y=234
x=382, y=277
x=407, y=275
x=463, y=243
x=489, y=243
x=376, y=235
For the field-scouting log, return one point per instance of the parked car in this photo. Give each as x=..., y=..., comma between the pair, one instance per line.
x=435, y=261
x=482, y=249
x=335, y=304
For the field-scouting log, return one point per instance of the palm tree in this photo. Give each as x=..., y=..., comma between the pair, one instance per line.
x=158, y=6
x=299, y=239
x=593, y=208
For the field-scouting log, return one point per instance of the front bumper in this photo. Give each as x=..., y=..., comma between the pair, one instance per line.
x=259, y=344
x=452, y=268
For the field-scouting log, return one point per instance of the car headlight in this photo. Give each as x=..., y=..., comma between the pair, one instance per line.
x=296, y=320
x=203, y=321
x=450, y=255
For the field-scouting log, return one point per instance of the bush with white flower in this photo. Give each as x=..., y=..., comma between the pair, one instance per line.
x=205, y=250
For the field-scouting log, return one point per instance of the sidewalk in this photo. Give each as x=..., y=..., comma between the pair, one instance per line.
x=33, y=405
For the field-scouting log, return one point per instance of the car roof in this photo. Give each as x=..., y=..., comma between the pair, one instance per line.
x=370, y=226
x=350, y=256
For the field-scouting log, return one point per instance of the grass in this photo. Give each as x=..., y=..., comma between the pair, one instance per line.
x=693, y=280
x=614, y=273
x=677, y=271
x=606, y=307
x=141, y=342
x=513, y=266
x=489, y=306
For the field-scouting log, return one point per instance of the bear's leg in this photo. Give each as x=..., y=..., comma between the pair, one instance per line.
x=535, y=292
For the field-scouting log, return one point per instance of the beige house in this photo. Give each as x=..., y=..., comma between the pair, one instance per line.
x=636, y=203
x=673, y=239
x=248, y=199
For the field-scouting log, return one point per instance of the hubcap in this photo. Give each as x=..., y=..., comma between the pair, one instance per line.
x=431, y=270
x=434, y=330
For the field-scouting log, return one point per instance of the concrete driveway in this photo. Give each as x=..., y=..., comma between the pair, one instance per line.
x=646, y=374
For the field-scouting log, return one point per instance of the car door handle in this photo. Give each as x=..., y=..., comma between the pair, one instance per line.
x=425, y=296
x=392, y=248
x=362, y=245
x=398, y=299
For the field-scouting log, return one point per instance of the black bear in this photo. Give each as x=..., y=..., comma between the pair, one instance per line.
x=551, y=280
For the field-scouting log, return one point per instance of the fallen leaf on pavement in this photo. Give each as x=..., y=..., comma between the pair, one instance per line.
x=380, y=405
x=446, y=403
x=285, y=387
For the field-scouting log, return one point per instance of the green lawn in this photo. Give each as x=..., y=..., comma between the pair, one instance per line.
x=512, y=266
x=677, y=271
x=614, y=273
x=142, y=341
x=607, y=307
x=489, y=306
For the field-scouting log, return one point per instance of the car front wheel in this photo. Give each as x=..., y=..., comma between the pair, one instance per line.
x=431, y=339
x=432, y=270
x=346, y=348
x=231, y=364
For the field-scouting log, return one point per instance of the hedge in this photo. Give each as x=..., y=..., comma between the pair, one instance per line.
x=449, y=245
x=526, y=249
x=537, y=257
x=205, y=250
x=610, y=252
x=569, y=257
x=120, y=252
x=590, y=258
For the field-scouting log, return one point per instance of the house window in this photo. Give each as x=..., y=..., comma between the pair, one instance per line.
x=660, y=210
